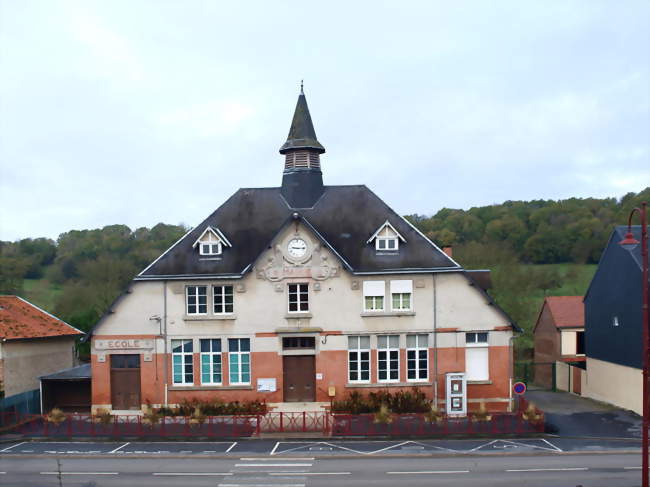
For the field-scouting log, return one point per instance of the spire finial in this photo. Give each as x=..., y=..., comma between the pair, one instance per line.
x=301, y=86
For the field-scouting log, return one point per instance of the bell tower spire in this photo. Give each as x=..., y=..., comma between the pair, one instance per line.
x=302, y=180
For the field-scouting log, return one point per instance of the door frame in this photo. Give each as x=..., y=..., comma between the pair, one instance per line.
x=313, y=375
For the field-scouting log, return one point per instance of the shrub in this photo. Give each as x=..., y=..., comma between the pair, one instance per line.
x=56, y=416
x=400, y=402
x=103, y=416
x=214, y=408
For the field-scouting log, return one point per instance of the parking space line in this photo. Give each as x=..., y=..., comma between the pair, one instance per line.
x=231, y=447
x=277, y=443
x=300, y=474
x=274, y=464
x=552, y=445
x=119, y=447
x=266, y=459
x=12, y=446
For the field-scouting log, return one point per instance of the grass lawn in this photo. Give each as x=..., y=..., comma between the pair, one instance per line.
x=41, y=292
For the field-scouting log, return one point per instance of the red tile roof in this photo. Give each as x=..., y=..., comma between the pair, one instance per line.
x=20, y=319
x=567, y=311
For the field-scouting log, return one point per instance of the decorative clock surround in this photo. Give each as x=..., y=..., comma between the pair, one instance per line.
x=296, y=256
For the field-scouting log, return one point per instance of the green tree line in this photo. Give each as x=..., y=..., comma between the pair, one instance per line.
x=538, y=232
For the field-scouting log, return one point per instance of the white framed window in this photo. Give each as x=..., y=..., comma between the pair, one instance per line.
x=182, y=364
x=387, y=243
x=196, y=299
x=388, y=358
x=239, y=360
x=298, y=298
x=401, y=295
x=359, y=359
x=373, y=295
x=211, y=361
x=209, y=248
x=477, y=360
x=417, y=357
x=223, y=299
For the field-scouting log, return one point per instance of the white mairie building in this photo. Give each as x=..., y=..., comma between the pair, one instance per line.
x=302, y=293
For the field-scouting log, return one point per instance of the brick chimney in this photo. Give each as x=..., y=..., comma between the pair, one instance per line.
x=448, y=250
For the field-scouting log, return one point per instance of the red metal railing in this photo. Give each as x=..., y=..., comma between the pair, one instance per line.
x=319, y=423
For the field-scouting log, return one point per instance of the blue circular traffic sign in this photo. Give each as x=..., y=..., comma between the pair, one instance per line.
x=519, y=388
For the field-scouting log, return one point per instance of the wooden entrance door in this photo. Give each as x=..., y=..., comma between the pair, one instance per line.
x=299, y=374
x=125, y=382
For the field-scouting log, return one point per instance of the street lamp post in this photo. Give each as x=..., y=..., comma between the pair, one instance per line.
x=630, y=242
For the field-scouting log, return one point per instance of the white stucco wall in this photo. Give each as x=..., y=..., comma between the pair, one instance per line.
x=615, y=384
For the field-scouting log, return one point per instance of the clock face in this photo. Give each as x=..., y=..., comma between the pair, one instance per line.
x=297, y=248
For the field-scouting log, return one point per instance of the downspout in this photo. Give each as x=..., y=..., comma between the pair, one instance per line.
x=166, y=361
x=435, y=346
x=512, y=371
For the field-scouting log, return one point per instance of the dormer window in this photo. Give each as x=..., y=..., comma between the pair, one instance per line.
x=386, y=238
x=211, y=242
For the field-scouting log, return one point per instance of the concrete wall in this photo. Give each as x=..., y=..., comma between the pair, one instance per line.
x=613, y=383
x=25, y=361
x=445, y=301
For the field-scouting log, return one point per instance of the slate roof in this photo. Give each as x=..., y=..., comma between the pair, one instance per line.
x=20, y=320
x=80, y=372
x=301, y=133
x=567, y=311
x=344, y=217
x=617, y=235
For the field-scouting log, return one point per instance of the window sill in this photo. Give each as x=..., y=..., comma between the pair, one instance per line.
x=387, y=384
x=479, y=382
x=225, y=316
x=211, y=388
x=298, y=316
x=368, y=314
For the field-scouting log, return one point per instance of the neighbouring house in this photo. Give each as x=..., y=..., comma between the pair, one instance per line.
x=303, y=293
x=560, y=343
x=32, y=343
x=613, y=325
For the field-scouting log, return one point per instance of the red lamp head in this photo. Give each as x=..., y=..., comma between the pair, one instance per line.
x=629, y=242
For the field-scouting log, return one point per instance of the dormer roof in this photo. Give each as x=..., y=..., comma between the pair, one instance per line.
x=216, y=233
x=386, y=224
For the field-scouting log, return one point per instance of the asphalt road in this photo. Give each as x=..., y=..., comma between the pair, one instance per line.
x=589, y=470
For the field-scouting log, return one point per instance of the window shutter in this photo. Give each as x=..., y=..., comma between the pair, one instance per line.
x=374, y=288
x=405, y=286
x=476, y=363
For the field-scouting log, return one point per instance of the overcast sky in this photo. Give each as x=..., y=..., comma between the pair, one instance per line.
x=139, y=112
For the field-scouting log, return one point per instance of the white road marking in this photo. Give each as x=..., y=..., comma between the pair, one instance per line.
x=266, y=459
x=274, y=464
x=3, y=473
x=428, y=472
x=631, y=468
x=196, y=474
x=27, y=451
x=119, y=448
x=568, y=469
x=261, y=485
x=552, y=445
x=389, y=447
x=12, y=446
x=80, y=473
x=231, y=447
x=308, y=473
x=308, y=444
x=274, y=448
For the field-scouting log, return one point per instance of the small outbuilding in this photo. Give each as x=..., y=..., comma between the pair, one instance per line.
x=68, y=390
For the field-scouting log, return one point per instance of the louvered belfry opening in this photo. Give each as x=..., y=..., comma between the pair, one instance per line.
x=302, y=159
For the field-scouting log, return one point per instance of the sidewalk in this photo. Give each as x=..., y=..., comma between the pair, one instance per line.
x=569, y=415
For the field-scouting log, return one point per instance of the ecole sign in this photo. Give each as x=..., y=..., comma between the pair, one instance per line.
x=123, y=344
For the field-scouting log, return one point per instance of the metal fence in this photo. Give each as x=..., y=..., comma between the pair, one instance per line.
x=28, y=402
x=318, y=423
